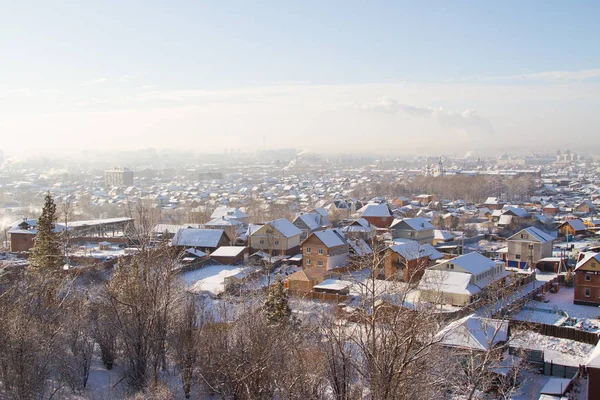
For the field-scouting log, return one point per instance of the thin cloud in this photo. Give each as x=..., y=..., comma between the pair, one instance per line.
x=95, y=82
x=21, y=92
x=462, y=122
x=548, y=76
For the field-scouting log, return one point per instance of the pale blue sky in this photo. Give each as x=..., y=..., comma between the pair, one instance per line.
x=188, y=73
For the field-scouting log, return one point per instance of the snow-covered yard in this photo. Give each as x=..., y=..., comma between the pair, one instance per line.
x=553, y=311
x=210, y=279
x=559, y=351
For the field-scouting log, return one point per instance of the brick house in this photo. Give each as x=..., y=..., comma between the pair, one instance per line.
x=327, y=249
x=377, y=214
x=587, y=279
x=406, y=261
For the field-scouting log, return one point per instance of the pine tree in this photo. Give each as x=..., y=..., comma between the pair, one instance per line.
x=276, y=308
x=46, y=252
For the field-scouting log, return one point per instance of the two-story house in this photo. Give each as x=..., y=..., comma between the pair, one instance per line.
x=406, y=261
x=327, y=249
x=528, y=246
x=308, y=223
x=275, y=237
x=377, y=214
x=587, y=279
x=460, y=280
x=360, y=229
x=418, y=229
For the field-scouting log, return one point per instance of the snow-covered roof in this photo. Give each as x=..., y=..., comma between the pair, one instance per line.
x=473, y=332
x=331, y=237
x=333, y=284
x=360, y=247
x=417, y=224
x=576, y=224
x=228, y=212
x=412, y=250
x=172, y=228
x=586, y=257
x=223, y=222
x=228, y=251
x=376, y=210
x=505, y=219
x=310, y=220
x=285, y=227
x=439, y=234
x=492, y=200
x=537, y=234
x=446, y=281
x=519, y=212
x=195, y=252
x=474, y=263
x=94, y=222
x=191, y=237
x=360, y=225
x=556, y=386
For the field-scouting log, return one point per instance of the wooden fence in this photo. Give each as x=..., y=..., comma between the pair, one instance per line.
x=563, y=332
x=328, y=297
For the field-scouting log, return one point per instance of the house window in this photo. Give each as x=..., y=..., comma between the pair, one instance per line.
x=588, y=277
x=308, y=250
x=277, y=243
x=593, y=265
x=518, y=256
x=262, y=241
x=308, y=261
x=451, y=266
x=320, y=263
x=587, y=292
x=321, y=251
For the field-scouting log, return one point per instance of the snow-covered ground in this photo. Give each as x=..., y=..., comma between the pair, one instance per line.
x=558, y=304
x=559, y=351
x=210, y=279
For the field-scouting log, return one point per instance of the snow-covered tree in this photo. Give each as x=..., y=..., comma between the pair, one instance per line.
x=46, y=251
x=277, y=309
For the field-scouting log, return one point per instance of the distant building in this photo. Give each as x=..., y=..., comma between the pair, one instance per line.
x=122, y=177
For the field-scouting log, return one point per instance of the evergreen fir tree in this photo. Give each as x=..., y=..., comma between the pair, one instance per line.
x=276, y=308
x=46, y=251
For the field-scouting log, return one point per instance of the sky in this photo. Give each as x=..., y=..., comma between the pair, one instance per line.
x=330, y=76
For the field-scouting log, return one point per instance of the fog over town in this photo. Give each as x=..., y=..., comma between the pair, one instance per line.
x=300, y=200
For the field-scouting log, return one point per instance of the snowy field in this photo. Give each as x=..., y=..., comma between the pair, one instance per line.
x=210, y=279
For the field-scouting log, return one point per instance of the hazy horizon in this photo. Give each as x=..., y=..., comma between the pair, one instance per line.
x=341, y=77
